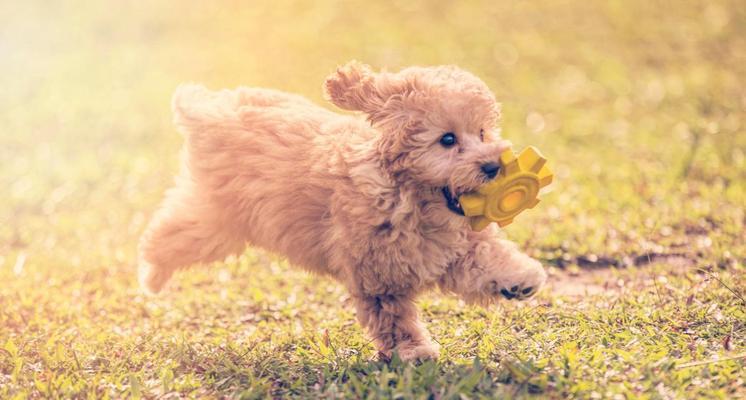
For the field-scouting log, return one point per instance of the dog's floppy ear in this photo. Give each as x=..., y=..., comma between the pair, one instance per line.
x=353, y=87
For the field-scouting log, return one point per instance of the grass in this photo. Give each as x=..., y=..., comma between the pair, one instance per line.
x=638, y=105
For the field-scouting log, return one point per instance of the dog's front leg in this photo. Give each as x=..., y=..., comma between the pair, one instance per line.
x=493, y=268
x=393, y=323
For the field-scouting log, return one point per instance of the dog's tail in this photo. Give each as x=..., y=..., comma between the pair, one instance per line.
x=197, y=109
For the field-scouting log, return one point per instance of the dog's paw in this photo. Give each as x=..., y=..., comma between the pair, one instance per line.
x=152, y=279
x=418, y=351
x=515, y=292
x=520, y=284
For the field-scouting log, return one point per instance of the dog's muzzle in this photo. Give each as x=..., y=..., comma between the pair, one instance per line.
x=452, y=201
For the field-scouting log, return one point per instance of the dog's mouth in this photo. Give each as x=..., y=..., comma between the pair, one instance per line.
x=452, y=201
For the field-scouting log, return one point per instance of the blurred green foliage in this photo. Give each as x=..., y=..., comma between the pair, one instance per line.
x=638, y=105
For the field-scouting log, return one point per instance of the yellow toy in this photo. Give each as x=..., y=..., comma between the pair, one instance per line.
x=515, y=189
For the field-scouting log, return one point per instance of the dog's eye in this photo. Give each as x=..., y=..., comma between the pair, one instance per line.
x=448, y=139
x=481, y=135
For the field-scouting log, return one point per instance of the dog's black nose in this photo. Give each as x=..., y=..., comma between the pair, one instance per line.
x=491, y=169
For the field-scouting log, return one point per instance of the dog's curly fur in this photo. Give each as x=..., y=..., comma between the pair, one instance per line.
x=359, y=200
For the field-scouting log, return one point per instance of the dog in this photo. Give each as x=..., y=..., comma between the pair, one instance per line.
x=371, y=202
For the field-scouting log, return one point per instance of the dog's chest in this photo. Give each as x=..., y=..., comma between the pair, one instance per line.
x=414, y=253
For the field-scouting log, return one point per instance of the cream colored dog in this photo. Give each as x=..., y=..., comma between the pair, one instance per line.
x=371, y=203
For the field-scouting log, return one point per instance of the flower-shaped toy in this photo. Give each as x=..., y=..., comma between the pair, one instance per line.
x=515, y=189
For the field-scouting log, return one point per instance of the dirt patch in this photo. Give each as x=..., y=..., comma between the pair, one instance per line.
x=587, y=282
x=590, y=281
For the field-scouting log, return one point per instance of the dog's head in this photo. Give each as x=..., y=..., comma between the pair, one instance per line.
x=438, y=124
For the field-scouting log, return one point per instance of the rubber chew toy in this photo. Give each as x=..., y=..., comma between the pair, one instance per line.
x=515, y=189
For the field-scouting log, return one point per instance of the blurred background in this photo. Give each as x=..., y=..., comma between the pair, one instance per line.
x=638, y=105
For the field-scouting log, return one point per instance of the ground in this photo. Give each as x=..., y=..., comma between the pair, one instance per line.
x=638, y=105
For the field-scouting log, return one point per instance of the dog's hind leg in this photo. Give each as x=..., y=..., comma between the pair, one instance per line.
x=183, y=232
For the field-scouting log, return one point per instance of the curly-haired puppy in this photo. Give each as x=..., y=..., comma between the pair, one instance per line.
x=369, y=202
